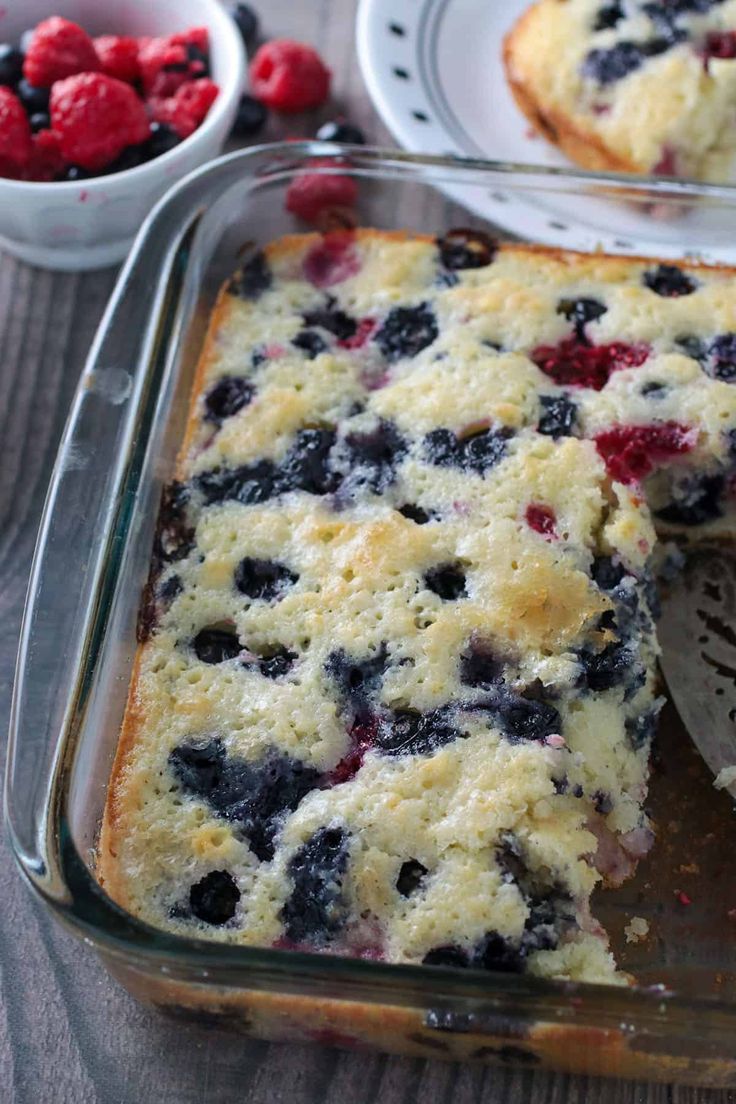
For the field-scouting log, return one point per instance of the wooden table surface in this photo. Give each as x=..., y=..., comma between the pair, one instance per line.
x=69, y=1034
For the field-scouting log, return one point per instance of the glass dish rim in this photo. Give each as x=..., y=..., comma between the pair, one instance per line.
x=59, y=874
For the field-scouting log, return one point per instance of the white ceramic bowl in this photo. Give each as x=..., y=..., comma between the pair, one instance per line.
x=92, y=223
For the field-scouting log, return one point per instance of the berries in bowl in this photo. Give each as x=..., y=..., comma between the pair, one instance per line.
x=102, y=109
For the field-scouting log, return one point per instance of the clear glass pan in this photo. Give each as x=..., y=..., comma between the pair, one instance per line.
x=78, y=644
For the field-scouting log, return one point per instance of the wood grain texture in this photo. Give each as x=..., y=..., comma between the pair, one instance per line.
x=68, y=1034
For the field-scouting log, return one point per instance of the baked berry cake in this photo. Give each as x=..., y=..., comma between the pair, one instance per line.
x=397, y=688
x=646, y=86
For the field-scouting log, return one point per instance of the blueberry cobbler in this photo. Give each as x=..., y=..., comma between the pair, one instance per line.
x=631, y=85
x=396, y=685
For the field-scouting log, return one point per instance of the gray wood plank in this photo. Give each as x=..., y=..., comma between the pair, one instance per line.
x=68, y=1033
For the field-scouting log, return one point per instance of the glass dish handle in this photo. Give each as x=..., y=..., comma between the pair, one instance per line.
x=77, y=537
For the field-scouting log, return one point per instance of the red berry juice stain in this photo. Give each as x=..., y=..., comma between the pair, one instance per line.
x=574, y=363
x=332, y=260
x=542, y=520
x=632, y=452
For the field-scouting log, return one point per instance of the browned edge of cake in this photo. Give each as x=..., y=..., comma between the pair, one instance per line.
x=584, y=147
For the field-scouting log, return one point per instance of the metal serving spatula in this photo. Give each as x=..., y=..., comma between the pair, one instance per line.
x=697, y=632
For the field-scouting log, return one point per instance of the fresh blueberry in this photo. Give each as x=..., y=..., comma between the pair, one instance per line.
x=614, y=63
x=254, y=278
x=199, y=60
x=11, y=64
x=608, y=16
x=276, y=662
x=332, y=319
x=130, y=158
x=409, y=732
x=227, y=397
x=253, y=795
x=699, y=499
x=315, y=910
x=447, y=581
x=480, y=667
x=461, y=249
x=373, y=455
x=264, y=579
x=558, y=417
x=669, y=281
x=310, y=342
x=216, y=645
x=406, y=331
x=76, y=172
x=34, y=99
x=246, y=21
x=447, y=955
x=40, y=121
x=580, y=312
x=341, y=131
x=477, y=452
x=357, y=679
x=415, y=513
x=214, y=899
x=163, y=138
x=410, y=877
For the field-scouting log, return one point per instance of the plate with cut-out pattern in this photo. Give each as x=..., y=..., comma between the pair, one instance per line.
x=434, y=71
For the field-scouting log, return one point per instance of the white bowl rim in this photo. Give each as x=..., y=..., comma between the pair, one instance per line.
x=213, y=13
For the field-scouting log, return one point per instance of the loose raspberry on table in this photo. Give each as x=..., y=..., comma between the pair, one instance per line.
x=15, y=135
x=58, y=49
x=96, y=118
x=118, y=56
x=312, y=196
x=289, y=76
x=187, y=108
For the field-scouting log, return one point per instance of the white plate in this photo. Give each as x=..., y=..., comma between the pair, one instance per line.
x=434, y=72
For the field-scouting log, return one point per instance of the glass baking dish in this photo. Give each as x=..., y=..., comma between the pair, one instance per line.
x=78, y=645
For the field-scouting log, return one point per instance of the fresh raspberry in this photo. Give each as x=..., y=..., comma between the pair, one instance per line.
x=187, y=108
x=96, y=118
x=15, y=135
x=312, y=196
x=47, y=162
x=289, y=76
x=168, y=63
x=196, y=37
x=632, y=452
x=58, y=49
x=118, y=56
x=164, y=66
